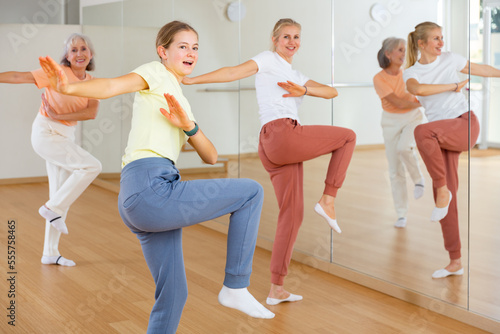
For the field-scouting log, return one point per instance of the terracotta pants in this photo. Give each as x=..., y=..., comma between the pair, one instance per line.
x=283, y=146
x=440, y=144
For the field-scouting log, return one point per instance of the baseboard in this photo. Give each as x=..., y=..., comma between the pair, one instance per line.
x=24, y=180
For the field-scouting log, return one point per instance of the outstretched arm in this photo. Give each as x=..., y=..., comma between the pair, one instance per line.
x=13, y=77
x=225, y=74
x=311, y=88
x=481, y=70
x=401, y=103
x=95, y=88
x=178, y=117
x=416, y=88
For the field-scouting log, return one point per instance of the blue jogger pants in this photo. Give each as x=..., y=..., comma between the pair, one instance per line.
x=155, y=204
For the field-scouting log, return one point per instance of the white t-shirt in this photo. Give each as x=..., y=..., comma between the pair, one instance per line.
x=152, y=134
x=272, y=104
x=444, y=70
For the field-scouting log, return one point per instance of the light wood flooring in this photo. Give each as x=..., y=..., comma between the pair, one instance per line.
x=111, y=290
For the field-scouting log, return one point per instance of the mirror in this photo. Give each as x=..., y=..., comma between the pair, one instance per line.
x=370, y=243
x=339, y=45
x=485, y=162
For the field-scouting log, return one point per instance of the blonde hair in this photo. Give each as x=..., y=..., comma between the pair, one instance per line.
x=279, y=26
x=421, y=33
x=70, y=41
x=388, y=45
x=167, y=33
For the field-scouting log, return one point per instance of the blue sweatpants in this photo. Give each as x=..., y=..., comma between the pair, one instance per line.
x=155, y=204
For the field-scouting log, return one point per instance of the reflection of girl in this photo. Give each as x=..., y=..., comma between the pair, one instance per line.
x=153, y=202
x=434, y=79
x=400, y=117
x=70, y=169
x=284, y=144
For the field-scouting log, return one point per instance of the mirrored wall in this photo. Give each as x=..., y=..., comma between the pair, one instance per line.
x=339, y=46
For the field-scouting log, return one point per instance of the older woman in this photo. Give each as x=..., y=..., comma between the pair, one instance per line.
x=400, y=117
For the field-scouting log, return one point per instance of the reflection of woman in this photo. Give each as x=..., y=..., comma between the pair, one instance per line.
x=70, y=168
x=451, y=128
x=153, y=202
x=284, y=144
x=400, y=117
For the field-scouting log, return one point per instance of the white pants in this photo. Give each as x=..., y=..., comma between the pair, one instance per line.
x=70, y=170
x=399, y=143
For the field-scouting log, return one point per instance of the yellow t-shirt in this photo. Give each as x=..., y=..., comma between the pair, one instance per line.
x=385, y=84
x=62, y=104
x=151, y=134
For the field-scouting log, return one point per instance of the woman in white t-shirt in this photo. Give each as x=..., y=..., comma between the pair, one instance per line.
x=434, y=80
x=153, y=202
x=284, y=144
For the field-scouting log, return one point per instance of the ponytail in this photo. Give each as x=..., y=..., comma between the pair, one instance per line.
x=411, y=51
x=420, y=34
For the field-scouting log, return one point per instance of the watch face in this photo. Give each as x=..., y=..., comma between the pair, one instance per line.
x=236, y=11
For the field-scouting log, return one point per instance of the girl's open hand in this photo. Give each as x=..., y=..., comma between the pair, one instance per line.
x=176, y=115
x=292, y=88
x=57, y=78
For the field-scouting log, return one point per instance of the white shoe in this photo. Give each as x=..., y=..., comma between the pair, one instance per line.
x=441, y=273
x=291, y=298
x=401, y=222
x=440, y=213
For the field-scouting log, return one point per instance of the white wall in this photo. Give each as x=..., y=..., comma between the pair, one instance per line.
x=229, y=118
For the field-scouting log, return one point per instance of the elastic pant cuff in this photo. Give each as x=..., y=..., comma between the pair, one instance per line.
x=236, y=281
x=439, y=183
x=330, y=190
x=455, y=255
x=277, y=279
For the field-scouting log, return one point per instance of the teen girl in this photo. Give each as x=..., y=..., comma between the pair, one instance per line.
x=153, y=202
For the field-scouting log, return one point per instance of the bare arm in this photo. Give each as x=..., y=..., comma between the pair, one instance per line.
x=178, y=117
x=95, y=88
x=401, y=103
x=81, y=115
x=13, y=77
x=225, y=74
x=481, y=70
x=313, y=89
x=416, y=88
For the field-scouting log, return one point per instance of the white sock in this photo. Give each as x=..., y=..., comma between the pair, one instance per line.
x=418, y=191
x=242, y=300
x=401, y=222
x=332, y=222
x=54, y=219
x=57, y=260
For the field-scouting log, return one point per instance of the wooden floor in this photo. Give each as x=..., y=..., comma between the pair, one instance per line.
x=111, y=290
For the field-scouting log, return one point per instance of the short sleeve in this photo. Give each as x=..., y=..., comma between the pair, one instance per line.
x=150, y=73
x=409, y=73
x=264, y=60
x=41, y=79
x=459, y=61
x=381, y=87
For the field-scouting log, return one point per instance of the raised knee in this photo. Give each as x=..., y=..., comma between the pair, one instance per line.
x=351, y=136
x=420, y=132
